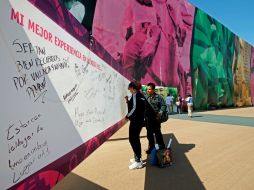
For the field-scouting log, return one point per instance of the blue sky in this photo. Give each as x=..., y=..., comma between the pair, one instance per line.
x=236, y=15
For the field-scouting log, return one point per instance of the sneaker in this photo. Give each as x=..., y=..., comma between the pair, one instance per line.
x=136, y=165
x=132, y=160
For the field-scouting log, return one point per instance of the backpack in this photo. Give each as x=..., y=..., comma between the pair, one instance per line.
x=161, y=158
x=164, y=117
x=164, y=156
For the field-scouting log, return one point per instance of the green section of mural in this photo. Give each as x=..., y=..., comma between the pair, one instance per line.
x=211, y=63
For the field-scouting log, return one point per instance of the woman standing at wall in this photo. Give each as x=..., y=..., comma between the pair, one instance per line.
x=136, y=115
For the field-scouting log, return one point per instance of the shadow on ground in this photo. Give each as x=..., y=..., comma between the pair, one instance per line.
x=181, y=175
x=82, y=183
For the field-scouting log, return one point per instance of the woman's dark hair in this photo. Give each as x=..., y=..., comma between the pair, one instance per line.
x=132, y=85
x=135, y=85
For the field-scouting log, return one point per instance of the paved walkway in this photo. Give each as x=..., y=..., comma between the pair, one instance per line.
x=223, y=119
x=213, y=150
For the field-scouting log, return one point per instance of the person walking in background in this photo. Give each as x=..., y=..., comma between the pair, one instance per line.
x=156, y=106
x=189, y=102
x=136, y=115
x=169, y=103
x=179, y=101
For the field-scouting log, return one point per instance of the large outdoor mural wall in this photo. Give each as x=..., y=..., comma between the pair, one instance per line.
x=176, y=45
x=66, y=66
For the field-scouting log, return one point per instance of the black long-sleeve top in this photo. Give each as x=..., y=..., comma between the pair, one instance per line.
x=136, y=107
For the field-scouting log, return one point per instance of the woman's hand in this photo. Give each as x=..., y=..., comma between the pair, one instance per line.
x=126, y=99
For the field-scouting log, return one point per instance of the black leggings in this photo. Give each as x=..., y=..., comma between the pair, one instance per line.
x=134, y=132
